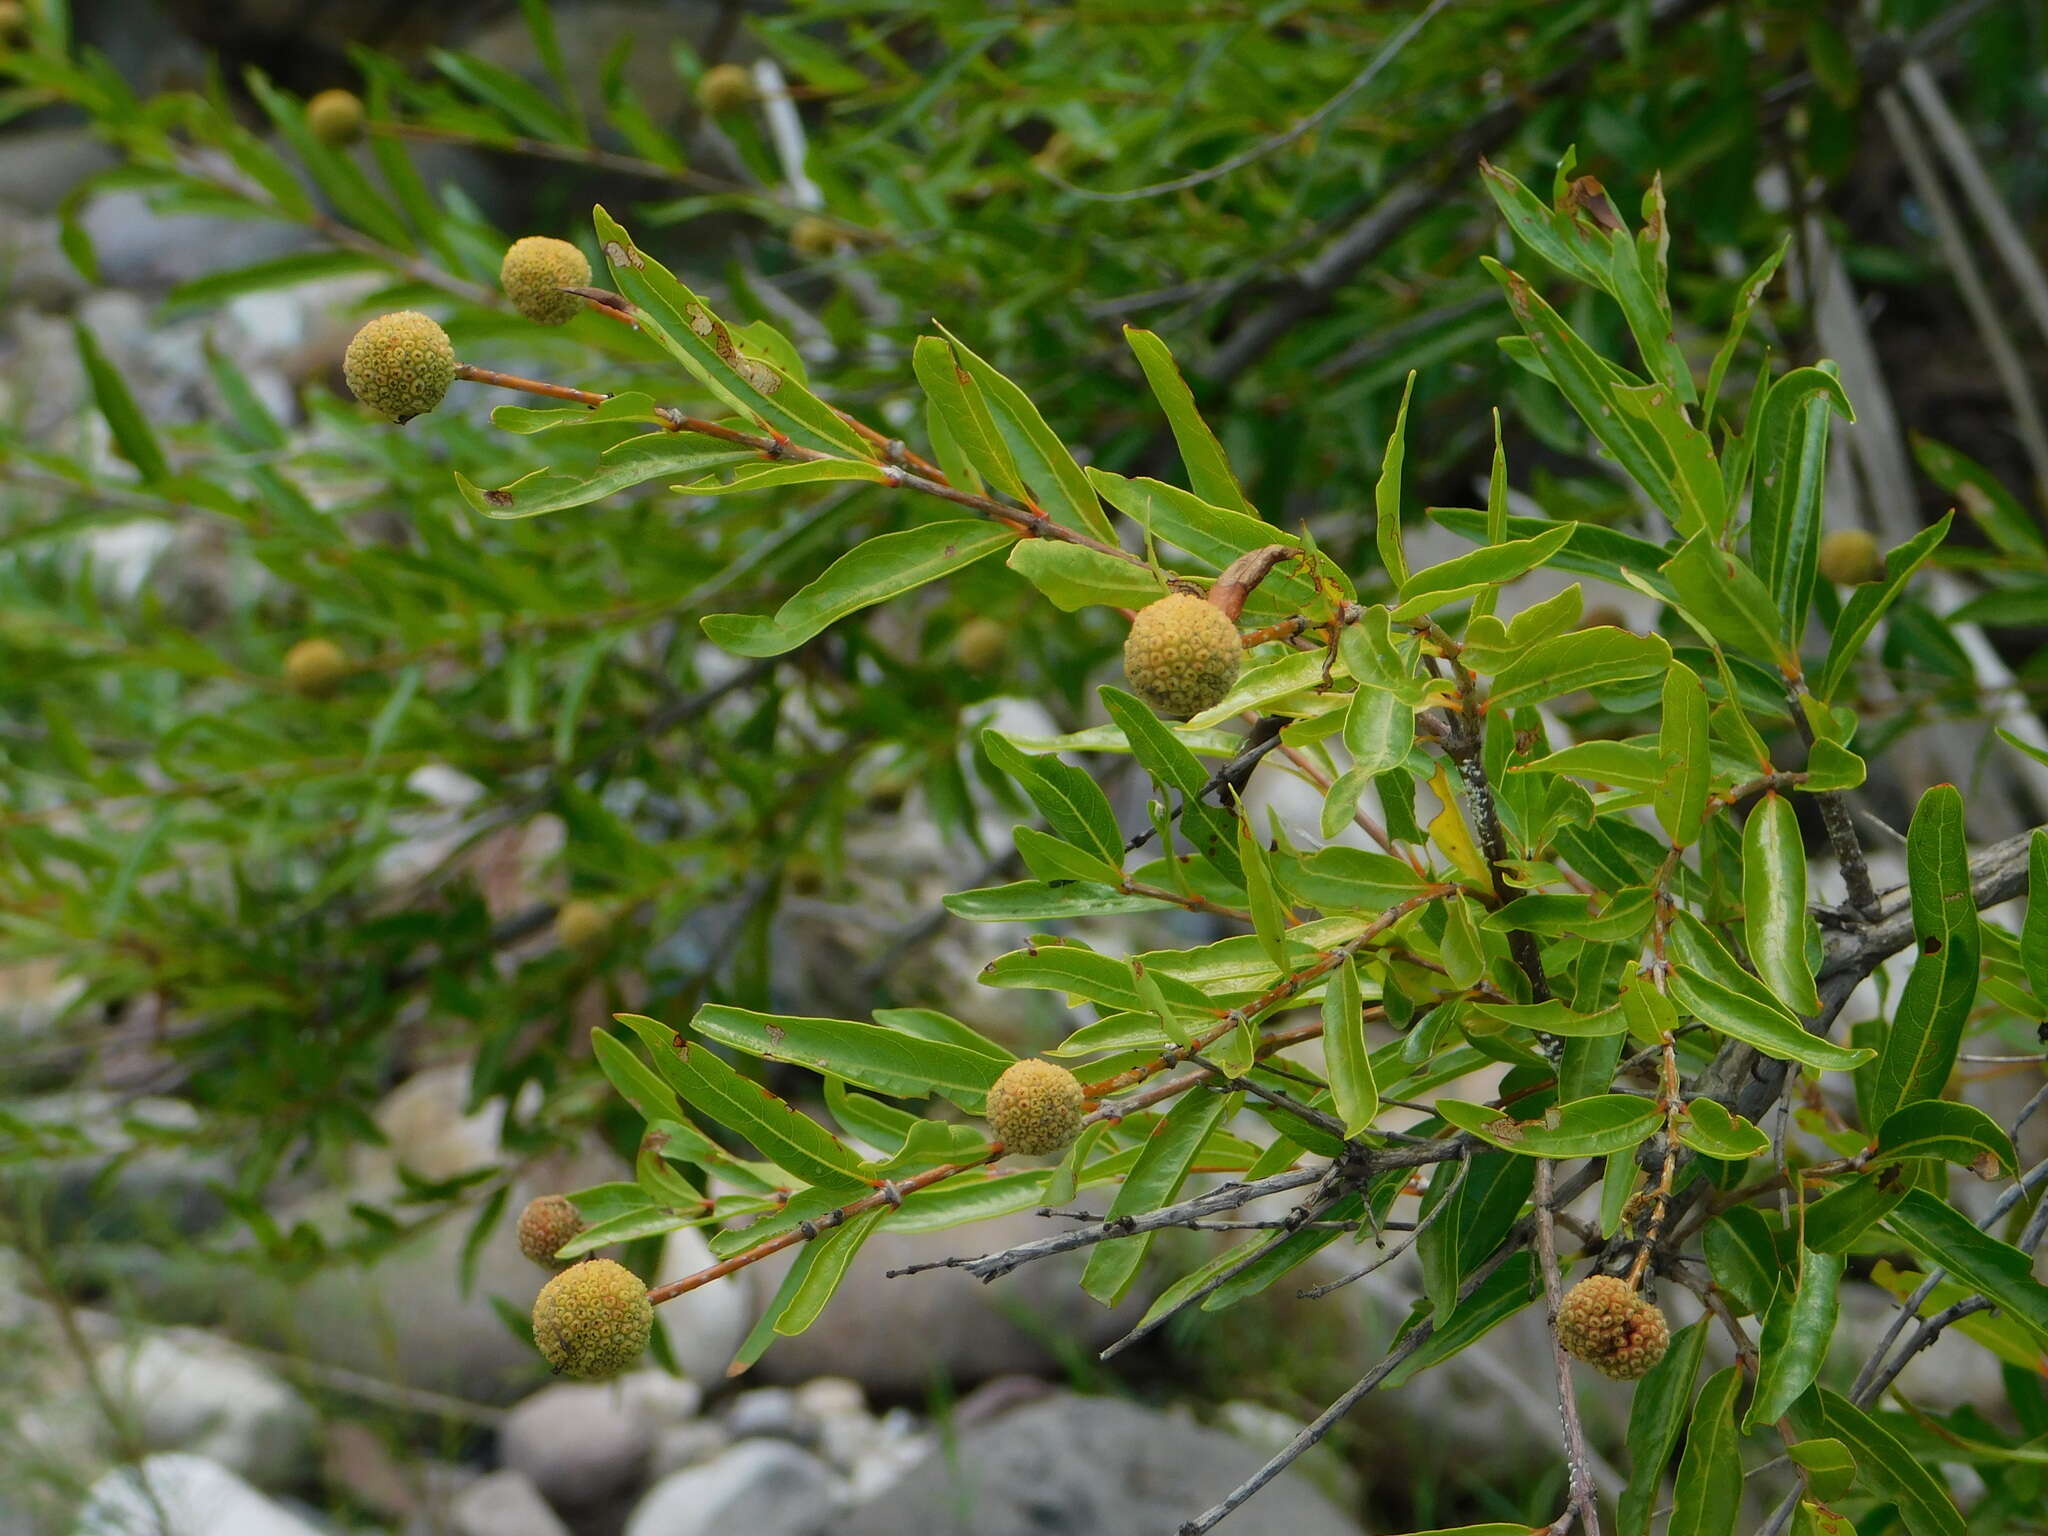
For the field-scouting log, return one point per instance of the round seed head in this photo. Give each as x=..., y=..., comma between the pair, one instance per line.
x=336, y=117
x=725, y=88
x=400, y=365
x=315, y=667
x=1035, y=1108
x=592, y=1320
x=548, y=1222
x=979, y=645
x=581, y=924
x=1603, y=1322
x=1182, y=654
x=534, y=273
x=1849, y=557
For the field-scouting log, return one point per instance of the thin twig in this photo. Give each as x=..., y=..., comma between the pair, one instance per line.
x=1582, y=1502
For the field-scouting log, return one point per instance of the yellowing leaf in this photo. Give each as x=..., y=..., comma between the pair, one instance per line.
x=1450, y=836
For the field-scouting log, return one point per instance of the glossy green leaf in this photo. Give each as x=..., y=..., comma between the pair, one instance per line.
x=1707, y=1127
x=1790, y=444
x=1354, y=880
x=873, y=571
x=1886, y=1466
x=654, y=456
x=1073, y=576
x=1731, y=601
x=1955, y=1133
x=1270, y=917
x=1209, y=474
x=958, y=400
x=1685, y=758
x=1828, y=1466
x=1742, y=1257
x=1039, y=900
x=1926, y=1029
x=1593, y=551
x=1346, y=1055
x=1708, y=1495
x=1554, y=1017
x=1386, y=493
x=1461, y=577
x=1746, y=298
x=1657, y=1415
x=1586, y=658
x=132, y=433
x=2034, y=929
x=871, y=1056
x=1997, y=1271
x=1838, y=1218
x=1164, y=754
x=1072, y=803
x=1795, y=1337
x=1731, y=1013
x=1774, y=903
x=1867, y=604
x=1611, y=1122
x=1164, y=1162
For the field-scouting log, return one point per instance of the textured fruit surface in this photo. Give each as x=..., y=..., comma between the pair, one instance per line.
x=313, y=667
x=979, y=645
x=1182, y=655
x=400, y=365
x=1849, y=557
x=1035, y=1108
x=534, y=273
x=336, y=117
x=592, y=1320
x=813, y=237
x=547, y=1222
x=725, y=88
x=1605, y=1323
x=581, y=924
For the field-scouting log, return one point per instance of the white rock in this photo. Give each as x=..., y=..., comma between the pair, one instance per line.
x=503, y=1504
x=705, y=1326
x=197, y=1497
x=770, y=1412
x=686, y=1445
x=763, y=1487
x=580, y=1443
x=186, y=1391
x=829, y=1397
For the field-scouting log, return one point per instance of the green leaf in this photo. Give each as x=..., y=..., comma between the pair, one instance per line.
x=1164, y=755
x=1611, y=1122
x=1354, y=880
x=654, y=456
x=1556, y=240
x=1731, y=1013
x=1709, y=1128
x=1774, y=903
x=1053, y=481
x=1980, y=493
x=1920, y=1044
x=1467, y=574
x=1731, y=602
x=1164, y=1162
x=1790, y=444
x=1553, y=1017
x=1695, y=477
x=1270, y=916
x=1379, y=733
x=1040, y=900
x=1708, y=1494
x=1071, y=802
x=1795, y=1338
x=1386, y=493
x=1997, y=1271
x=1685, y=759
x=1637, y=765
x=1828, y=1466
x=873, y=571
x=132, y=434
x=868, y=1055
x=2034, y=930
x=1955, y=1133
x=1209, y=473
x=1593, y=551
x=832, y=1256
x=1499, y=1297
x=684, y=326
x=1073, y=576
x=1585, y=658
x=1215, y=536
x=1867, y=604
x=1098, y=978
x=637, y=1083
x=1886, y=1466
x=960, y=404
x=1657, y=1413
x=1346, y=1054
x=1746, y=299
x=1838, y=1218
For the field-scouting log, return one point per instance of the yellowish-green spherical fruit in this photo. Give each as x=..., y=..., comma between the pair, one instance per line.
x=581, y=924
x=1182, y=654
x=336, y=117
x=724, y=88
x=814, y=237
x=592, y=1320
x=1849, y=557
x=979, y=645
x=1035, y=1108
x=548, y=1222
x=1603, y=1322
x=400, y=365
x=534, y=273
x=315, y=667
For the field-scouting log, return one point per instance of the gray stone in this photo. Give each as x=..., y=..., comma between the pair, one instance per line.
x=1089, y=1467
x=196, y=1497
x=686, y=1445
x=503, y=1504
x=580, y=1444
x=764, y=1487
x=186, y=1391
x=895, y=1336
x=770, y=1413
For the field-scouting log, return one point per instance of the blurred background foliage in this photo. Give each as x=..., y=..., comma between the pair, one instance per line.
x=272, y=907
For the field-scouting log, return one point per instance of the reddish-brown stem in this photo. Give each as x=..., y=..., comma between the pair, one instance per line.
x=529, y=386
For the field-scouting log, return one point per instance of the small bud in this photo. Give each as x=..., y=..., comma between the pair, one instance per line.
x=1603, y=1322
x=813, y=237
x=724, y=88
x=592, y=1320
x=335, y=117
x=534, y=273
x=1849, y=558
x=314, y=668
x=1034, y=1108
x=581, y=925
x=1182, y=655
x=548, y=1222
x=400, y=365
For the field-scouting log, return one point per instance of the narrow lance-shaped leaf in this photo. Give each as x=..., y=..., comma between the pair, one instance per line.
x=1496, y=514
x=1790, y=444
x=1709, y=1490
x=1868, y=604
x=1163, y=1164
x=1920, y=1044
x=1345, y=1051
x=2034, y=930
x=1741, y=1017
x=1270, y=917
x=1731, y=602
x=1657, y=1414
x=1774, y=903
x=1386, y=493
x=1886, y=1466
x=1685, y=760
x=1209, y=473
x=1795, y=1338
